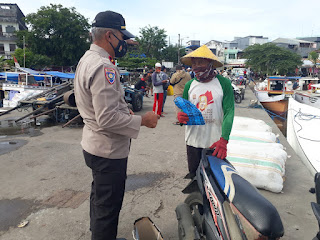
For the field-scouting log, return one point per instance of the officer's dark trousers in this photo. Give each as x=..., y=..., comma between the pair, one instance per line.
x=107, y=190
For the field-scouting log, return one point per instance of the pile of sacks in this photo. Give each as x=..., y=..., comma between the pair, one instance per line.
x=256, y=154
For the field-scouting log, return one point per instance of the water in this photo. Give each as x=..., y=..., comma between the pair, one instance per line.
x=13, y=211
x=8, y=127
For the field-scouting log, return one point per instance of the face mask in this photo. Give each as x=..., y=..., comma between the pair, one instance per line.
x=204, y=73
x=117, y=51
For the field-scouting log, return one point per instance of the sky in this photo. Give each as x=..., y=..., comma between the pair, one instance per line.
x=203, y=20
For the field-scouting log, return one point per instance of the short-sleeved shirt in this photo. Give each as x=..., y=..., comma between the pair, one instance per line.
x=215, y=101
x=140, y=85
x=100, y=100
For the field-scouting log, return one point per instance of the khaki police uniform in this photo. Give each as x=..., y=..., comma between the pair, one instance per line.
x=100, y=100
x=106, y=137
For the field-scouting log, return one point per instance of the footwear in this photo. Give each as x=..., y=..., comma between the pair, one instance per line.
x=176, y=123
x=162, y=115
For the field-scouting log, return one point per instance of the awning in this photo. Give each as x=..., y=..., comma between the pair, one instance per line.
x=60, y=74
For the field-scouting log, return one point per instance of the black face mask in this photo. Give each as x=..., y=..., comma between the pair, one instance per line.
x=117, y=51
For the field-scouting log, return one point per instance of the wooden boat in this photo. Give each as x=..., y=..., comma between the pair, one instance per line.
x=273, y=94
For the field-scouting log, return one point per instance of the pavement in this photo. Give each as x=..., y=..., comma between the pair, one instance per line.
x=44, y=180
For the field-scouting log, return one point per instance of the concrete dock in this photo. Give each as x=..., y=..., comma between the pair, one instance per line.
x=44, y=180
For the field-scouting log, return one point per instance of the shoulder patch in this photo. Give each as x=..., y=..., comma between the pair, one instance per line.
x=110, y=75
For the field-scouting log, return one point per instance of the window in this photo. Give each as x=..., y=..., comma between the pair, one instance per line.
x=12, y=47
x=10, y=29
x=232, y=56
x=1, y=49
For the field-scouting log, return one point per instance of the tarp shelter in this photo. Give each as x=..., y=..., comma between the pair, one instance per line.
x=124, y=73
x=307, y=63
x=28, y=70
x=13, y=77
x=60, y=74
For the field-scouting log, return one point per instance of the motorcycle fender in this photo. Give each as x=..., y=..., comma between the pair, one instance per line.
x=191, y=187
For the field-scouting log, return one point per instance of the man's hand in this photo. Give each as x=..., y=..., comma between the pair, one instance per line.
x=221, y=148
x=183, y=117
x=131, y=112
x=150, y=120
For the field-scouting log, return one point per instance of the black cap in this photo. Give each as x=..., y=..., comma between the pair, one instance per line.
x=109, y=19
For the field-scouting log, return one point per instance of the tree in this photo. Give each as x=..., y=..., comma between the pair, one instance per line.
x=269, y=58
x=170, y=53
x=313, y=56
x=151, y=41
x=60, y=33
x=35, y=61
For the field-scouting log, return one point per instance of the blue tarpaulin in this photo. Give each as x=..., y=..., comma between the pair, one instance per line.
x=13, y=77
x=60, y=74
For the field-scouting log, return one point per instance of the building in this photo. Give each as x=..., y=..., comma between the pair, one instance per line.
x=192, y=45
x=312, y=39
x=233, y=58
x=217, y=48
x=11, y=20
x=301, y=47
x=244, y=42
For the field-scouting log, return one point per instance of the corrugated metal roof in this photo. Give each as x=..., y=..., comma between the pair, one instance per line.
x=291, y=41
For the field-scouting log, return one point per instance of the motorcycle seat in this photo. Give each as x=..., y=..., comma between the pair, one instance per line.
x=262, y=215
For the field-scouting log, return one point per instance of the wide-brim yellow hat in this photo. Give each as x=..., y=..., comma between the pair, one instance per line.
x=201, y=52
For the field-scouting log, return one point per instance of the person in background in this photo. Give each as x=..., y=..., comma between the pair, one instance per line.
x=178, y=81
x=213, y=95
x=157, y=81
x=109, y=125
x=165, y=86
x=225, y=74
x=189, y=70
x=149, y=82
x=141, y=85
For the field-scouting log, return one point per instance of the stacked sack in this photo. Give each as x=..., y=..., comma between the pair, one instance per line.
x=253, y=150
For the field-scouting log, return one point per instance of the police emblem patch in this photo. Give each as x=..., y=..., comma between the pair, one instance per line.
x=110, y=75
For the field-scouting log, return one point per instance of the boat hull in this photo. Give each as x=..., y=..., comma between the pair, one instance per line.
x=277, y=107
x=308, y=98
x=303, y=133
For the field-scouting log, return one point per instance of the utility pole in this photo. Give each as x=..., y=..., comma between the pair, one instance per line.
x=24, y=52
x=179, y=48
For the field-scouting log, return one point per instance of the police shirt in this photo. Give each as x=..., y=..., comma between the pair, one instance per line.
x=100, y=101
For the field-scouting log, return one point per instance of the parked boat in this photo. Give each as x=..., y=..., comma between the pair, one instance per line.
x=308, y=92
x=303, y=132
x=25, y=83
x=273, y=93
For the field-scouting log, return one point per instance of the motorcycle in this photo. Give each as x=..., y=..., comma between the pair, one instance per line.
x=236, y=93
x=316, y=205
x=221, y=205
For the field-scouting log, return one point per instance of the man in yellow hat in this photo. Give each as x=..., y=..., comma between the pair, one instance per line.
x=212, y=94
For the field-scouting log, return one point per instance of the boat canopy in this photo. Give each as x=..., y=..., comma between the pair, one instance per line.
x=60, y=74
x=38, y=76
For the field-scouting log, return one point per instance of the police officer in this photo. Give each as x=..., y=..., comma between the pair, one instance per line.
x=108, y=123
